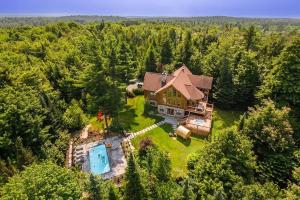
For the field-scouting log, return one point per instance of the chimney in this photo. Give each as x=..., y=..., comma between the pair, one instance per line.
x=163, y=80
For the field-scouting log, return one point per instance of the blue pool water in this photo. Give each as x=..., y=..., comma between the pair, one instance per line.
x=98, y=158
x=199, y=122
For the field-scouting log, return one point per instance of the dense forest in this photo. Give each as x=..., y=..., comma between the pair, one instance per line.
x=279, y=23
x=55, y=75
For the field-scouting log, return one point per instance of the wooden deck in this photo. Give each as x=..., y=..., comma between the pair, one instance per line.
x=204, y=128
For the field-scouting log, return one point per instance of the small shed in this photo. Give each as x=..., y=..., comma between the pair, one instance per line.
x=183, y=132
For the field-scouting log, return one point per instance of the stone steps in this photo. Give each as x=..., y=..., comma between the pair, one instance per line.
x=132, y=135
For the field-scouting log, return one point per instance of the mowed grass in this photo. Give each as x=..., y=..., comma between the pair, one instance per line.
x=223, y=119
x=178, y=149
x=133, y=118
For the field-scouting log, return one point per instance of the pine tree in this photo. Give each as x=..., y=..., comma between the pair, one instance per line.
x=166, y=53
x=163, y=167
x=112, y=194
x=150, y=60
x=282, y=82
x=24, y=156
x=134, y=189
x=241, y=122
x=250, y=37
x=94, y=189
x=124, y=55
x=187, y=51
x=112, y=62
x=224, y=88
x=187, y=191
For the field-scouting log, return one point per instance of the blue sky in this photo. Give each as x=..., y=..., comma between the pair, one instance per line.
x=248, y=8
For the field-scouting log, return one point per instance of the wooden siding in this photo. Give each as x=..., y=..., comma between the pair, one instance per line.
x=148, y=96
x=171, y=97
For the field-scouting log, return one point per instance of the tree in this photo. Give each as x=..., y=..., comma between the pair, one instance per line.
x=144, y=146
x=56, y=151
x=74, y=117
x=24, y=117
x=272, y=137
x=187, y=191
x=186, y=50
x=282, y=82
x=112, y=194
x=218, y=167
x=43, y=181
x=94, y=188
x=112, y=62
x=103, y=93
x=133, y=185
x=168, y=190
x=250, y=38
x=256, y=191
x=166, y=53
x=24, y=156
x=124, y=55
x=245, y=80
x=223, y=89
x=293, y=190
x=162, y=166
x=150, y=60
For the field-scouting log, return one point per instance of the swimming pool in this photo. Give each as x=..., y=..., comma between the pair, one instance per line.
x=199, y=122
x=98, y=158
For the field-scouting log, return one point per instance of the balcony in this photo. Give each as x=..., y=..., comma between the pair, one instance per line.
x=201, y=108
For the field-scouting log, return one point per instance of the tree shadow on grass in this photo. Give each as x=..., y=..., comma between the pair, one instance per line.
x=185, y=142
x=151, y=112
x=127, y=117
x=227, y=117
x=200, y=137
x=167, y=128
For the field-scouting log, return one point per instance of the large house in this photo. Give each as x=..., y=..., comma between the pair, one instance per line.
x=182, y=95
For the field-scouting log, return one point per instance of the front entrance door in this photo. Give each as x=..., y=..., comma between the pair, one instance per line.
x=170, y=111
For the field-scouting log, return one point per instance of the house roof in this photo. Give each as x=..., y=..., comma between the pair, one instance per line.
x=182, y=80
x=201, y=81
x=152, y=81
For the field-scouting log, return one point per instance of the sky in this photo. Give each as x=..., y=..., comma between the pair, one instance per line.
x=183, y=8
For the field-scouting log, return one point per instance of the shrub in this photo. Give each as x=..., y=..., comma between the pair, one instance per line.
x=138, y=91
x=145, y=144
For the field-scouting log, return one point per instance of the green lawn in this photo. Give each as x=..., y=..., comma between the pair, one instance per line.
x=178, y=148
x=133, y=118
x=223, y=119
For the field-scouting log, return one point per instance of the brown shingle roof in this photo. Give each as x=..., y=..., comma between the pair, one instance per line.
x=182, y=68
x=182, y=80
x=194, y=93
x=204, y=82
x=152, y=81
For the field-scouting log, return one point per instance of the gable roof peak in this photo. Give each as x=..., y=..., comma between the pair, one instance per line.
x=184, y=69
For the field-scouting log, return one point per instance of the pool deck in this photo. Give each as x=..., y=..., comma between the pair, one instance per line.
x=116, y=156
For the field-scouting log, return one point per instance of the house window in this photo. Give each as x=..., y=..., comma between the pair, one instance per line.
x=174, y=92
x=178, y=113
x=173, y=98
x=162, y=110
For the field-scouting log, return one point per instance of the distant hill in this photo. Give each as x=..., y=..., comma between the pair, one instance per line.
x=16, y=21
